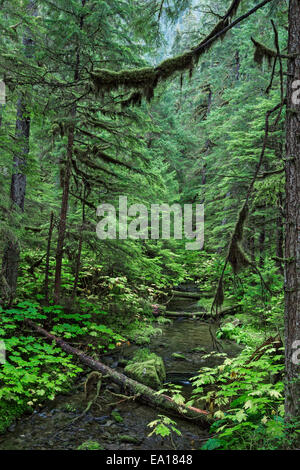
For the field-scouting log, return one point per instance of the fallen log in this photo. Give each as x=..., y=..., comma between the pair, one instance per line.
x=142, y=392
x=186, y=314
x=227, y=310
x=223, y=312
x=191, y=295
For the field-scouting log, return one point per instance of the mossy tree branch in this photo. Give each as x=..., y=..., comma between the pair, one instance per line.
x=144, y=80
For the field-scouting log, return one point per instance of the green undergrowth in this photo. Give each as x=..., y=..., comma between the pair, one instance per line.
x=36, y=371
x=90, y=445
x=9, y=412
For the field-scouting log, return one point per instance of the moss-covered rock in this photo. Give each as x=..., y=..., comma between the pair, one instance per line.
x=90, y=445
x=151, y=372
x=142, y=355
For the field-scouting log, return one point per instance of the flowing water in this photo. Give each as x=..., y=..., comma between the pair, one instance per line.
x=59, y=424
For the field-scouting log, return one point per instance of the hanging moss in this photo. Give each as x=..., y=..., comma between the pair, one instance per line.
x=175, y=64
x=262, y=52
x=236, y=257
x=144, y=80
x=135, y=99
x=239, y=228
x=222, y=24
x=219, y=297
x=134, y=78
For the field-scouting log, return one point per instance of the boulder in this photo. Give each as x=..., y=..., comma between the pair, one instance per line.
x=151, y=372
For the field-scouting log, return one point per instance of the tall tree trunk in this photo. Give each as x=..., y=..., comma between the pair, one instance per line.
x=279, y=237
x=63, y=216
x=51, y=226
x=237, y=65
x=10, y=262
x=66, y=184
x=78, y=258
x=292, y=212
x=251, y=247
x=9, y=271
x=261, y=242
x=18, y=179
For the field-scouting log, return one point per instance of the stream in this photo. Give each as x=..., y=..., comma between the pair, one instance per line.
x=60, y=426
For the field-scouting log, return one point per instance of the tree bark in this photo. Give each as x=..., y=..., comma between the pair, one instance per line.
x=51, y=226
x=142, y=392
x=80, y=241
x=63, y=217
x=279, y=238
x=237, y=65
x=10, y=263
x=18, y=180
x=261, y=243
x=251, y=247
x=66, y=184
x=292, y=213
x=9, y=272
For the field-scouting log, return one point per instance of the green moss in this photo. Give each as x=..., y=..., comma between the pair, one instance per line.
x=179, y=63
x=179, y=356
x=116, y=416
x=262, y=51
x=9, y=411
x=142, y=355
x=146, y=79
x=151, y=372
x=133, y=78
x=140, y=333
x=199, y=349
x=90, y=445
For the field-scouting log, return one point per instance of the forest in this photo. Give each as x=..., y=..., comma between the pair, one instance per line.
x=150, y=225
